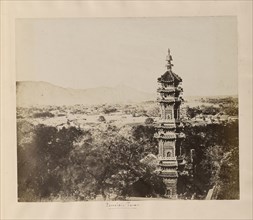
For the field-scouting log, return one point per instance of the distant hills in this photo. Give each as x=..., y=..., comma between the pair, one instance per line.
x=43, y=93
x=31, y=93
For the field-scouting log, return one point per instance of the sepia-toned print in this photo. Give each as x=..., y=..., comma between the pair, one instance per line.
x=127, y=109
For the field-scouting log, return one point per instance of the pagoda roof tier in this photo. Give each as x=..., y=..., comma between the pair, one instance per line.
x=166, y=90
x=170, y=90
x=165, y=136
x=169, y=77
x=160, y=158
x=169, y=126
x=169, y=173
x=164, y=129
x=170, y=100
x=168, y=164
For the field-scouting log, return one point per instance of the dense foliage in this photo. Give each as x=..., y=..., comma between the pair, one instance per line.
x=43, y=115
x=112, y=161
x=74, y=164
x=79, y=165
x=216, y=161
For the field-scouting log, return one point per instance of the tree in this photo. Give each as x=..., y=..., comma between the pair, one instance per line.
x=149, y=121
x=144, y=135
x=231, y=109
x=43, y=115
x=101, y=118
x=41, y=161
x=228, y=182
x=153, y=111
x=109, y=109
x=210, y=110
x=73, y=163
x=112, y=163
x=211, y=163
x=216, y=161
x=192, y=112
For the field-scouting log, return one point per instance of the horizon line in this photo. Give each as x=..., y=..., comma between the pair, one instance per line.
x=120, y=84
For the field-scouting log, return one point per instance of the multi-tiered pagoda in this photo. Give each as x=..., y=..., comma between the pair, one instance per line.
x=169, y=128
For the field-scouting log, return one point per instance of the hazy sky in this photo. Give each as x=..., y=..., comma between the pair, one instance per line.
x=91, y=52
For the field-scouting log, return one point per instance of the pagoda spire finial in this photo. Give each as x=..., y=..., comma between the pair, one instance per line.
x=169, y=59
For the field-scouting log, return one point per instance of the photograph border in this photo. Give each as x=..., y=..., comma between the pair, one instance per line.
x=11, y=209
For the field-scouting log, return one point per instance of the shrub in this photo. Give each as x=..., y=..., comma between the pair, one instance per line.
x=101, y=118
x=109, y=110
x=43, y=115
x=149, y=121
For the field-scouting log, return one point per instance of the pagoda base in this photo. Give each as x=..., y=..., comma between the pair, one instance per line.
x=171, y=188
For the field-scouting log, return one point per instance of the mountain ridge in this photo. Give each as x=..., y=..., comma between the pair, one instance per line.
x=44, y=93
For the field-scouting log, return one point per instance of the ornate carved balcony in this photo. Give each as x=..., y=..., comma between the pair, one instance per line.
x=169, y=126
x=165, y=136
x=166, y=158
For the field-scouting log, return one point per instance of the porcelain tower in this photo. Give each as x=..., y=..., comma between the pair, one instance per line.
x=169, y=128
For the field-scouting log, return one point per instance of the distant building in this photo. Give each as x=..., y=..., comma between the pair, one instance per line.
x=169, y=128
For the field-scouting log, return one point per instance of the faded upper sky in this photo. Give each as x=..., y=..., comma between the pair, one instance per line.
x=92, y=52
